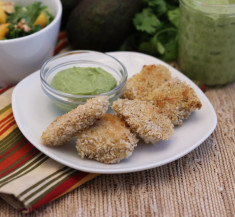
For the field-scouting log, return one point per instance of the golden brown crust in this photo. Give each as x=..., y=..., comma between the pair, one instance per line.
x=148, y=79
x=144, y=119
x=176, y=99
x=66, y=126
x=107, y=141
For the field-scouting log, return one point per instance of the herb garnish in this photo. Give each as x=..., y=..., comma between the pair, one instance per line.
x=156, y=29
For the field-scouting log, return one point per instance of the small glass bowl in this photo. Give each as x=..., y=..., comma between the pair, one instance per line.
x=81, y=58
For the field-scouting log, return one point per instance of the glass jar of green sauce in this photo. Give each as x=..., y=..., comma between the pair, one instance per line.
x=207, y=40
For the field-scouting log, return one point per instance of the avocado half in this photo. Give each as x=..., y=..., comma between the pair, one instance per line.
x=101, y=25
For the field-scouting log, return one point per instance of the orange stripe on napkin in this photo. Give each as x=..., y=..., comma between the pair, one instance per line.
x=8, y=129
x=76, y=184
x=6, y=114
x=17, y=155
x=24, y=160
x=12, y=149
x=5, y=119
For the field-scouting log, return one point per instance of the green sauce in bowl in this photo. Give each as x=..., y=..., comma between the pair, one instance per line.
x=84, y=81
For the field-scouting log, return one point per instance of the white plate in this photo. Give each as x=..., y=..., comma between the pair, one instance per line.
x=33, y=112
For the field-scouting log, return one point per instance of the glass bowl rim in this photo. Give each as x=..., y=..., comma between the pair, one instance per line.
x=73, y=96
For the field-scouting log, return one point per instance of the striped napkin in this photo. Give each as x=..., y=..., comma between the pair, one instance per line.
x=28, y=178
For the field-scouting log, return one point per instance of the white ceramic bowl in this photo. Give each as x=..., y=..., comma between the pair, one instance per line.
x=21, y=56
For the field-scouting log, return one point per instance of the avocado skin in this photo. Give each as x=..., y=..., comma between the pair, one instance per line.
x=68, y=6
x=101, y=25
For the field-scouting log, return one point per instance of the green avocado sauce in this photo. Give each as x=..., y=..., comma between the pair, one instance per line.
x=207, y=40
x=84, y=81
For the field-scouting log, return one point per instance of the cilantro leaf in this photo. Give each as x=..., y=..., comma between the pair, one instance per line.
x=146, y=21
x=173, y=16
x=159, y=6
x=156, y=29
x=171, y=50
x=32, y=12
x=15, y=17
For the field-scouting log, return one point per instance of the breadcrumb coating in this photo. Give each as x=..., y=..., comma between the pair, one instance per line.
x=109, y=140
x=66, y=126
x=144, y=119
x=176, y=99
x=148, y=79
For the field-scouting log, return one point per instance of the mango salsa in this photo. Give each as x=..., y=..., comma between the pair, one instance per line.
x=3, y=16
x=22, y=20
x=41, y=20
x=3, y=30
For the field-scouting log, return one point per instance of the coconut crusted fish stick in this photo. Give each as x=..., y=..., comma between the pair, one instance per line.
x=66, y=126
x=148, y=79
x=144, y=119
x=176, y=99
x=108, y=140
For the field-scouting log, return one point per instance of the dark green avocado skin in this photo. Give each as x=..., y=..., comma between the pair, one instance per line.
x=101, y=25
x=68, y=6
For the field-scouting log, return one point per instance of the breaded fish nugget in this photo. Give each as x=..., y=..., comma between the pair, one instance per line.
x=148, y=79
x=107, y=141
x=144, y=119
x=66, y=126
x=176, y=99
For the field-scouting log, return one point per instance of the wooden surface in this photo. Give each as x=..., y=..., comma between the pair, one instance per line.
x=200, y=184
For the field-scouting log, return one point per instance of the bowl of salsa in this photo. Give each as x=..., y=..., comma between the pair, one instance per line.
x=28, y=34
